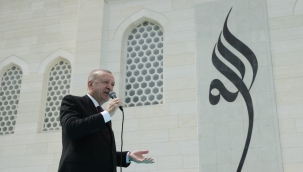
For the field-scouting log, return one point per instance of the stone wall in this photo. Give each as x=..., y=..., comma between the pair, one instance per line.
x=285, y=24
x=34, y=35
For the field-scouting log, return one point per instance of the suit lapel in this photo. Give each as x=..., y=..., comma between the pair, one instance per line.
x=90, y=107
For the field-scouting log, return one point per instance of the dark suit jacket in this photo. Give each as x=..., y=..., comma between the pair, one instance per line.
x=87, y=146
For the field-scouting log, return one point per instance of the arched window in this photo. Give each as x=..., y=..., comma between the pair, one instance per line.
x=9, y=99
x=144, y=66
x=58, y=86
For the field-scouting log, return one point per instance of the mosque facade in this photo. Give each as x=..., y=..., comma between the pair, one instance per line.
x=207, y=85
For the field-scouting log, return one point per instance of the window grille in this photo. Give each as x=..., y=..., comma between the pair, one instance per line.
x=144, y=66
x=58, y=87
x=9, y=99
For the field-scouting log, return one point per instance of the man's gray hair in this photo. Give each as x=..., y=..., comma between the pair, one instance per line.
x=93, y=75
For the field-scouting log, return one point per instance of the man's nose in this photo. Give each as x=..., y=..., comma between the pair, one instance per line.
x=110, y=87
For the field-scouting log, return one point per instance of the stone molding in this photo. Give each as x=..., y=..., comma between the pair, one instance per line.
x=140, y=16
x=13, y=59
x=49, y=60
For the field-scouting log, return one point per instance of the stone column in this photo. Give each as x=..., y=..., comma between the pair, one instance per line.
x=88, y=43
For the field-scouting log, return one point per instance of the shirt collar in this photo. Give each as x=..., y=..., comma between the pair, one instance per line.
x=94, y=101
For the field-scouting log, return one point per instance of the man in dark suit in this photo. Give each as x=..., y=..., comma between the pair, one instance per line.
x=87, y=137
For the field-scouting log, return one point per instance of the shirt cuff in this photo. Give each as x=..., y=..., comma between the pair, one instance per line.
x=127, y=157
x=106, y=116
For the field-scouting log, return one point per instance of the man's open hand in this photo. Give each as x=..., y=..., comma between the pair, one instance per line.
x=137, y=156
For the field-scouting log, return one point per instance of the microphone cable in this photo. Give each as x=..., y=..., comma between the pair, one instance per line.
x=113, y=95
x=121, y=139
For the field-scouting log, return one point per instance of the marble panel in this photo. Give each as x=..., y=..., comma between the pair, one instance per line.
x=162, y=149
x=187, y=120
x=16, y=150
x=150, y=136
x=90, y=25
x=180, y=71
x=54, y=147
x=160, y=6
x=287, y=126
x=36, y=148
x=292, y=155
x=37, y=5
x=19, y=161
x=179, y=59
x=248, y=118
x=293, y=167
x=180, y=95
x=188, y=147
x=158, y=123
x=89, y=35
x=93, y=45
x=183, y=134
x=288, y=58
x=178, y=107
x=175, y=84
x=41, y=159
x=170, y=162
x=299, y=125
x=129, y=124
x=280, y=10
x=190, y=161
x=180, y=14
x=40, y=168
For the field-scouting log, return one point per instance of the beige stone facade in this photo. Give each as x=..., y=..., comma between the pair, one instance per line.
x=91, y=34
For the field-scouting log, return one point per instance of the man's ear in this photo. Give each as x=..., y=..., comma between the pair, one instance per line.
x=89, y=85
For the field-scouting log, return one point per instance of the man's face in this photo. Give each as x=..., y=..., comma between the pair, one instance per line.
x=102, y=86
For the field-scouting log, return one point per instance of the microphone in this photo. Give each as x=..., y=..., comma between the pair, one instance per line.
x=113, y=96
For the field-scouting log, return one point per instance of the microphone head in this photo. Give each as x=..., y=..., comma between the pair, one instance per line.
x=112, y=95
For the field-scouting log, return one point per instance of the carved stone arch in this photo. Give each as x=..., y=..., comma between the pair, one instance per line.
x=14, y=60
x=298, y=8
x=45, y=68
x=139, y=17
x=122, y=33
x=54, y=57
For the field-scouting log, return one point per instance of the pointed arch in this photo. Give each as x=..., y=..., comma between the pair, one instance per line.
x=144, y=65
x=14, y=60
x=139, y=17
x=56, y=68
x=11, y=71
x=125, y=28
x=52, y=58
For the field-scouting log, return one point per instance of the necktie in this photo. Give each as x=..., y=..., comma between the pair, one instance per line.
x=99, y=108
